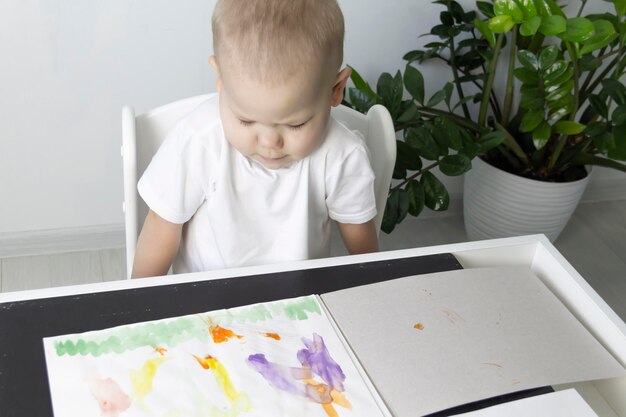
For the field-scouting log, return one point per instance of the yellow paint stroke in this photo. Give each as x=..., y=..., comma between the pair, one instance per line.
x=220, y=334
x=221, y=375
x=418, y=326
x=141, y=381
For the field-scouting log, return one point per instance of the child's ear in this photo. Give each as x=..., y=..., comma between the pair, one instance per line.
x=340, y=85
x=218, y=80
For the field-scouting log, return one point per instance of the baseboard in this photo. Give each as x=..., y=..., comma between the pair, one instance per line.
x=42, y=242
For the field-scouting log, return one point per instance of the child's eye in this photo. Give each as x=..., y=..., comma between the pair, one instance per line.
x=245, y=122
x=296, y=127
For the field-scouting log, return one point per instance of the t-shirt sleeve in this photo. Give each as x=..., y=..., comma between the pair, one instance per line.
x=171, y=185
x=350, y=189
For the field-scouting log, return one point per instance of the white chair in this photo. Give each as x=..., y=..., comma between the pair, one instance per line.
x=142, y=135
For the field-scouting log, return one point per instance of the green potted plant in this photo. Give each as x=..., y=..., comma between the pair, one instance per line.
x=563, y=108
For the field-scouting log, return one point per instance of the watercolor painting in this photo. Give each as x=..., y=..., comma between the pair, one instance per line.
x=269, y=359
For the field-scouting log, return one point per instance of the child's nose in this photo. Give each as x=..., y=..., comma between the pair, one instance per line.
x=270, y=138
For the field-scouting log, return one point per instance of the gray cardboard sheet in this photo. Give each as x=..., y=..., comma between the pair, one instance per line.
x=431, y=342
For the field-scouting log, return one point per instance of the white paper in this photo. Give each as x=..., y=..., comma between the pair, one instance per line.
x=555, y=404
x=271, y=359
x=436, y=341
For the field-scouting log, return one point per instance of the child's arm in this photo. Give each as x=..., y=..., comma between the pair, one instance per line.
x=157, y=246
x=359, y=238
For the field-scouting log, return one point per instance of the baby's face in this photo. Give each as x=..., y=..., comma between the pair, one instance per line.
x=279, y=124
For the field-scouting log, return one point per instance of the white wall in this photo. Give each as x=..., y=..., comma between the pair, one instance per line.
x=69, y=65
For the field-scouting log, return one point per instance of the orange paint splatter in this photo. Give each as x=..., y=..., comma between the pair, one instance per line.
x=220, y=334
x=274, y=336
x=419, y=326
x=204, y=362
x=160, y=350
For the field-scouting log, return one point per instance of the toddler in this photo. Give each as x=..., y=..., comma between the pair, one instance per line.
x=255, y=174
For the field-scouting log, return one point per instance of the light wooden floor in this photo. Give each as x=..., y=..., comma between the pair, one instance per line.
x=594, y=242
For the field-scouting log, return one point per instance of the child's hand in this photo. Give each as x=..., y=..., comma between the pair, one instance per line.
x=359, y=238
x=157, y=246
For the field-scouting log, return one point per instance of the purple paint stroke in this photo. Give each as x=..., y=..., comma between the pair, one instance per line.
x=317, y=358
x=280, y=377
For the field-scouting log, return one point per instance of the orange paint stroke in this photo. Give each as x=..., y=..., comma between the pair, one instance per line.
x=340, y=399
x=274, y=336
x=220, y=334
x=222, y=378
x=419, y=326
x=160, y=350
x=497, y=365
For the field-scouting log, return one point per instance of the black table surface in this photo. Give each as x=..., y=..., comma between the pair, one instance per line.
x=23, y=324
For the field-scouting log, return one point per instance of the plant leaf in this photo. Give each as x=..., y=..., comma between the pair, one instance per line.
x=359, y=100
x=619, y=151
x=455, y=165
x=568, y=127
x=552, y=25
x=548, y=56
x=530, y=26
x=510, y=8
x=501, y=24
x=528, y=7
x=619, y=115
x=599, y=105
x=620, y=7
x=407, y=156
x=390, y=217
x=578, y=29
x=437, y=98
x=361, y=85
x=490, y=140
x=448, y=88
x=414, y=83
x=589, y=63
x=487, y=33
x=528, y=60
x=411, y=113
x=436, y=195
x=541, y=135
x=532, y=119
x=485, y=8
x=526, y=76
x=615, y=90
x=415, y=192
x=421, y=139
x=604, y=35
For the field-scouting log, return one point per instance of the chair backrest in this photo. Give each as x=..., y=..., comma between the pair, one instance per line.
x=143, y=134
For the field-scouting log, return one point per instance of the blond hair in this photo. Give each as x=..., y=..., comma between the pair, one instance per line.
x=269, y=40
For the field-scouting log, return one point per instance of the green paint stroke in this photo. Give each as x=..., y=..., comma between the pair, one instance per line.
x=294, y=309
x=171, y=332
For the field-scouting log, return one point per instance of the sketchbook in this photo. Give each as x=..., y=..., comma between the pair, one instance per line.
x=405, y=347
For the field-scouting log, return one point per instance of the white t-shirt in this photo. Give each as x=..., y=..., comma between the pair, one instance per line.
x=237, y=212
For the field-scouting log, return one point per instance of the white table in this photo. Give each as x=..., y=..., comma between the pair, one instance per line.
x=608, y=398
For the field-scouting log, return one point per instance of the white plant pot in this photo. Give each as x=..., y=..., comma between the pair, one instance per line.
x=499, y=204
